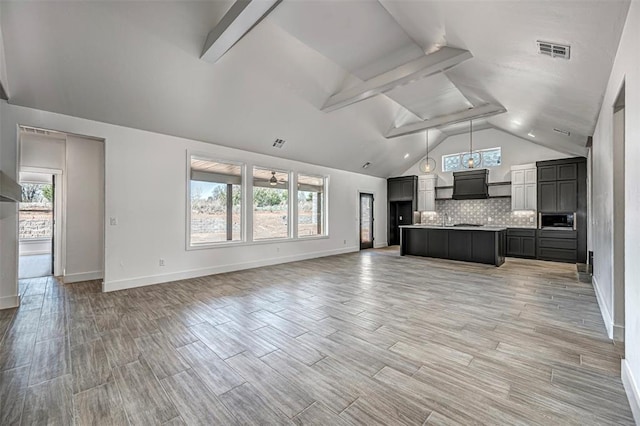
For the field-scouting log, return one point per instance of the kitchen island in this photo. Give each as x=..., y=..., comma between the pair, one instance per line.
x=483, y=244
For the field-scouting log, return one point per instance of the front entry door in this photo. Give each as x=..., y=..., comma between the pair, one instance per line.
x=366, y=221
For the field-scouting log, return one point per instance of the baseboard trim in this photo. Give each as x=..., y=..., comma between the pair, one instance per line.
x=82, y=276
x=9, y=302
x=108, y=286
x=633, y=392
x=380, y=245
x=604, y=311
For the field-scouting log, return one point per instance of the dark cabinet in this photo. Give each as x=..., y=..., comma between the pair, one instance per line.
x=521, y=242
x=567, y=195
x=547, y=196
x=460, y=245
x=567, y=171
x=455, y=244
x=402, y=188
x=438, y=245
x=547, y=173
x=558, y=185
x=557, y=245
x=402, y=196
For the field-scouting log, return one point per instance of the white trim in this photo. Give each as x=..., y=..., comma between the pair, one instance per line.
x=115, y=285
x=8, y=302
x=614, y=331
x=604, y=311
x=380, y=245
x=83, y=276
x=631, y=387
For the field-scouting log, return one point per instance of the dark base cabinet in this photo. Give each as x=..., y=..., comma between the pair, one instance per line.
x=521, y=242
x=557, y=245
x=470, y=246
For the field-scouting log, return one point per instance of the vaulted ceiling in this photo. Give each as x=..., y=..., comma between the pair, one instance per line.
x=138, y=64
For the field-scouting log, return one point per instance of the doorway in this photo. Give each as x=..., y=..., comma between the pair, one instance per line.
x=36, y=226
x=400, y=213
x=619, y=215
x=366, y=221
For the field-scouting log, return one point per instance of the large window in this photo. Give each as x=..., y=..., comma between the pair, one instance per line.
x=270, y=204
x=483, y=158
x=311, y=201
x=215, y=189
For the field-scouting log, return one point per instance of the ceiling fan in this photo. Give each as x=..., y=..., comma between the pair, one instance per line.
x=273, y=181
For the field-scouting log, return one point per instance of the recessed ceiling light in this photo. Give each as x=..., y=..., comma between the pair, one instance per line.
x=530, y=134
x=516, y=122
x=406, y=156
x=366, y=165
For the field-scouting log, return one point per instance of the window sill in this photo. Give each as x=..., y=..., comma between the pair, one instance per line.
x=255, y=243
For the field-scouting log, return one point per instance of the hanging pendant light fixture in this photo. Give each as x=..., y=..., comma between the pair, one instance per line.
x=427, y=165
x=470, y=161
x=273, y=181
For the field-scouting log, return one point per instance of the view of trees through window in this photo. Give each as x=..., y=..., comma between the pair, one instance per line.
x=270, y=204
x=216, y=201
x=36, y=211
x=310, y=205
x=217, y=190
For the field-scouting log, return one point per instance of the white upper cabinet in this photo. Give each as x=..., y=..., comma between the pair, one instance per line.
x=524, y=193
x=427, y=193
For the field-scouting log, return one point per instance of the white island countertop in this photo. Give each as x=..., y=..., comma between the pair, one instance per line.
x=457, y=228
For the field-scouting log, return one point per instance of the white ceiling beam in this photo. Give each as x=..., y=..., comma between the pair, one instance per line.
x=434, y=63
x=239, y=19
x=466, y=115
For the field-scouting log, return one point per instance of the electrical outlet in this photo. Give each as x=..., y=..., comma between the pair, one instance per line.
x=531, y=219
x=161, y=262
x=113, y=221
x=345, y=242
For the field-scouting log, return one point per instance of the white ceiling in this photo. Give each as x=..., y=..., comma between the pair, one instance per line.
x=137, y=64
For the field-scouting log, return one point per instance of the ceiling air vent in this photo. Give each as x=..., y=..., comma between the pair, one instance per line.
x=554, y=50
x=278, y=143
x=564, y=132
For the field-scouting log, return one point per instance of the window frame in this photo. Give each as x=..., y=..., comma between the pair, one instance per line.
x=325, y=207
x=243, y=207
x=290, y=232
x=461, y=155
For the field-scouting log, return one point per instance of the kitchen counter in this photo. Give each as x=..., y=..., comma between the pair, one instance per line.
x=457, y=228
x=480, y=244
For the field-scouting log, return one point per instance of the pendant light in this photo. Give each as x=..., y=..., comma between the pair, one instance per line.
x=427, y=165
x=273, y=181
x=470, y=162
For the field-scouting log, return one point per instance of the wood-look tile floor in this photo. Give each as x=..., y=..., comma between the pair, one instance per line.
x=363, y=338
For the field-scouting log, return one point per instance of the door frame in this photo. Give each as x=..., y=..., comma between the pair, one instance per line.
x=59, y=240
x=359, y=218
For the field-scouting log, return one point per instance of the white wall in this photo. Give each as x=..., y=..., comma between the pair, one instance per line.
x=84, y=209
x=145, y=183
x=626, y=69
x=42, y=151
x=514, y=151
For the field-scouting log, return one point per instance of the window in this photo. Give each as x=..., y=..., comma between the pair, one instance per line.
x=270, y=204
x=311, y=205
x=215, y=205
x=483, y=158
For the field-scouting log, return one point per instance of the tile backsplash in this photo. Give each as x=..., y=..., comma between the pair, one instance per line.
x=492, y=211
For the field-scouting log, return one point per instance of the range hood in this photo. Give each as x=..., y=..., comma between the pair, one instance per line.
x=471, y=185
x=9, y=189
